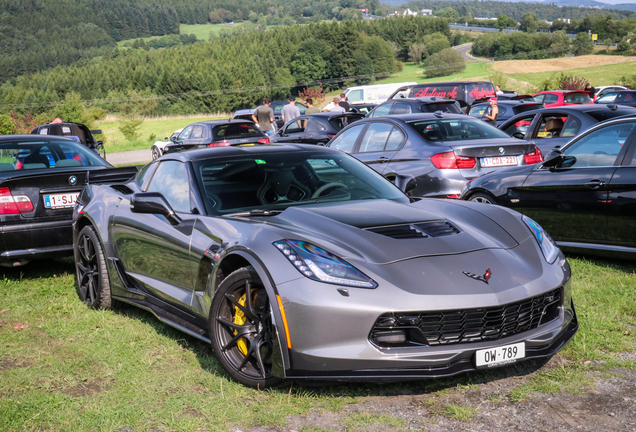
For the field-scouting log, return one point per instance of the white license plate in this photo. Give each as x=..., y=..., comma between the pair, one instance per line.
x=499, y=161
x=500, y=356
x=60, y=200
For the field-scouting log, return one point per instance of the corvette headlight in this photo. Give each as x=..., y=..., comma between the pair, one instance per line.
x=320, y=265
x=548, y=246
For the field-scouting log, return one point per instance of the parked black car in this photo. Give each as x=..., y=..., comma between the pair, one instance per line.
x=507, y=109
x=316, y=128
x=624, y=97
x=583, y=194
x=217, y=133
x=432, y=154
x=552, y=127
x=40, y=178
x=416, y=105
x=84, y=134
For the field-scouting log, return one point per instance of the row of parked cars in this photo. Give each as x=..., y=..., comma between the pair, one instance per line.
x=300, y=262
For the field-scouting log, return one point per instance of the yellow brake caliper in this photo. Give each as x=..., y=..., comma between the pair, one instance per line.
x=239, y=318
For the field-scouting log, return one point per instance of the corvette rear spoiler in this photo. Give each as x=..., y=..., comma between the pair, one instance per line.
x=111, y=175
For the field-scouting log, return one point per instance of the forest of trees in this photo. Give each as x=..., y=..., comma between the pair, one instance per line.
x=229, y=73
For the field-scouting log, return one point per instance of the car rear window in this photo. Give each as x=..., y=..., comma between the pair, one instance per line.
x=577, y=98
x=231, y=131
x=456, y=129
x=447, y=107
x=18, y=155
x=604, y=114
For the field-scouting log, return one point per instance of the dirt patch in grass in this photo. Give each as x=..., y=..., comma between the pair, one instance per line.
x=493, y=403
x=7, y=364
x=550, y=65
x=88, y=388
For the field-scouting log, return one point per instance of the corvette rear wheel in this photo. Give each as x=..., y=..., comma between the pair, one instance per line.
x=93, y=284
x=241, y=329
x=482, y=198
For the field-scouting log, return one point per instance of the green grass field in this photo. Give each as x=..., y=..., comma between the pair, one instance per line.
x=75, y=369
x=415, y=73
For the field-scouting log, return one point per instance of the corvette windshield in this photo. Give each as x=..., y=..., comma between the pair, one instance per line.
x=275, y=181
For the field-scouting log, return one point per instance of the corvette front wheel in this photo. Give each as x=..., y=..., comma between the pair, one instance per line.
x=93, y=284
x=241, y=329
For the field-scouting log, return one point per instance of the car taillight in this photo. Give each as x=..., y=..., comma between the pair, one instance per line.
x=522, y=123
x=533, y=157
x=263, y=141
x=219, y=144
x=10, y=204
x=450, y=160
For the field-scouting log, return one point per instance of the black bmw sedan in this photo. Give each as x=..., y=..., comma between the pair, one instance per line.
x=552, y=127
x=583, y=194
x=40, y=178
x=433, y=155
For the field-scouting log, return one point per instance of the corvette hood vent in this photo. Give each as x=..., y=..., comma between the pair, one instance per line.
x=436, y=228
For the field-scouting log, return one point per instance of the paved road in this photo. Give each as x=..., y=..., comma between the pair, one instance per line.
x=129, y=157
x=463, y=50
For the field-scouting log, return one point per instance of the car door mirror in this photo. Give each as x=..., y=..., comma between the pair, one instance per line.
x=173, y=139
x=554, y=158
x=153, y=203
x=519, y=135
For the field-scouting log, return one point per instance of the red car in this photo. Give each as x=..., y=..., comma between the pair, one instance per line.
x=556, y=98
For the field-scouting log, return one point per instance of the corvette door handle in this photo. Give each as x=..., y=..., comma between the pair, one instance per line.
x=595, y=184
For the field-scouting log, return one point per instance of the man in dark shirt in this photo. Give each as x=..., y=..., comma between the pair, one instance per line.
x=343, y=102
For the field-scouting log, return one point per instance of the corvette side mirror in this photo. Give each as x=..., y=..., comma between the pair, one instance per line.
x=153, y=203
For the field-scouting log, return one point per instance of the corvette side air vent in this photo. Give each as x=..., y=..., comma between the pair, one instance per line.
x=398, y=231
x=122, y=189
x=435, y=228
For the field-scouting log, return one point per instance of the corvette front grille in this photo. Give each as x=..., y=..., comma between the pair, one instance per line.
x=405, y=329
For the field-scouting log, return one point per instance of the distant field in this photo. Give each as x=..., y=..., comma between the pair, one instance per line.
x=558, y=64
x=202, y=31
x=413, y=72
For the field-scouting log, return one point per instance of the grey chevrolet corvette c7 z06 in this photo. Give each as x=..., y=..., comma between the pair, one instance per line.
x=300, y=262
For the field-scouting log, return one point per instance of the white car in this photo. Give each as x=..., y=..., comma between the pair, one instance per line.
x=602, y=90
x=159, y=146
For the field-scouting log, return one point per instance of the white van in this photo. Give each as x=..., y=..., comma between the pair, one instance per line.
x=370, y=94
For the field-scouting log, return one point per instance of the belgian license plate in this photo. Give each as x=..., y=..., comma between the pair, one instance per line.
x=500, y=356
x=499, y=161
x=60, y=200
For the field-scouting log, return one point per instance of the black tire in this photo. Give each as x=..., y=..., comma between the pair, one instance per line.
x=93, y=284
x=483, y=198
x=156, y=153
x=244, y=349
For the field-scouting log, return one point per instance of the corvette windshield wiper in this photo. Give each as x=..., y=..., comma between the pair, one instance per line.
x=257, y=212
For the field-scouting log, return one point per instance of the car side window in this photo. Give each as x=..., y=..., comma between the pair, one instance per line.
x=395, y=139
x=539, y=98
x=144, y=175
x=302, y=108
x=571, y=127
x=197, y=132
x=519, y=126
x=550, y=98
x=551, y=126
x=171, y=180
x=598, y=148
x=355, y=96
x=607, y=98
x=278, y=109
x=297, y=126
x=347, y=139
x=477, y=110
x=312, y=126
x=186, y=133
x=381, y=110
x=401, y=108
x=376, y=137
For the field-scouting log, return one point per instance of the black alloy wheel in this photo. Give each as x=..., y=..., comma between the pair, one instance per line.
x=482, y=198
x=93, y=284
x=242, y=331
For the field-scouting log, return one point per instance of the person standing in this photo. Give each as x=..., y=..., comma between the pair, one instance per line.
x=336, y=106
x=492, y=112
x=311, y=109
x=264, y=117
x=343, y=102
x=498, y=90
x=290, y=111
x=590, y=90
